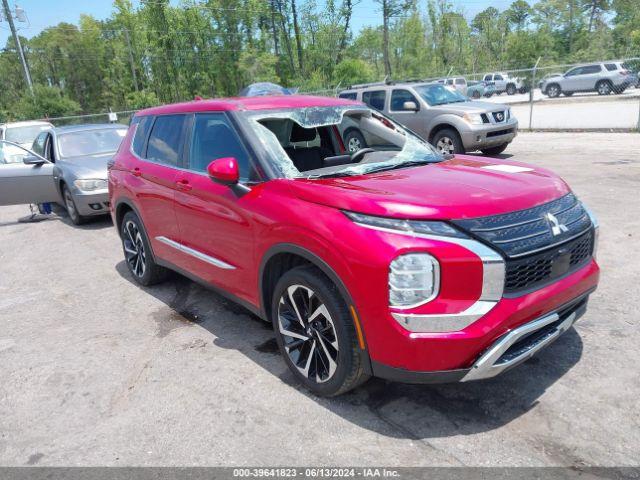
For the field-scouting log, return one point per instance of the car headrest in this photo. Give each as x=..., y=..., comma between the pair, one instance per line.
x=301, y=134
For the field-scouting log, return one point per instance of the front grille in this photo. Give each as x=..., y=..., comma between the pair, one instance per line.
x=535, y=270
x=499, y=117
x=538, y=248
x=499, y=132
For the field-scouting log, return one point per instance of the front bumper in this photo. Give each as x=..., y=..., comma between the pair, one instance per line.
x=508, y=351
x=93, y=203
x=487, y=135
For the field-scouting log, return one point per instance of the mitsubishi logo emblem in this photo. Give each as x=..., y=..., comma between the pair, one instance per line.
x=557, y=228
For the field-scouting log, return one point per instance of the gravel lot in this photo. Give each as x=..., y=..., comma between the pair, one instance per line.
x=97, y=371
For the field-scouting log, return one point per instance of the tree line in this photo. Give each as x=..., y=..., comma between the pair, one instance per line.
x=157, y=53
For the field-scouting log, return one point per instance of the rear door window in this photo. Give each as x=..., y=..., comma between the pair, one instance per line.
x=610, y=66
x=375, y=99
x=591, y=69
x=165, y=140
x=498, y=77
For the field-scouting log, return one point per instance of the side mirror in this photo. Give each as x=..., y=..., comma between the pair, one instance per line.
x=410, y=106
x=33, y=160
x=224, y=171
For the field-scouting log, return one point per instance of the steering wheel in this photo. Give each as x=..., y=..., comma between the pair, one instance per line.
x=355, y=156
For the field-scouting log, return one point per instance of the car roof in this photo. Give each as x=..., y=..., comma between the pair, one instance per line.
x=28, y=123
x=249, y=103
x=88, y=126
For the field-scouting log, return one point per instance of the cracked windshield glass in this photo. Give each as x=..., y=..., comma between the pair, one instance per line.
x=321, y=142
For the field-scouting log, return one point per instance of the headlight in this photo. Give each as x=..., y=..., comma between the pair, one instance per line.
x=473, y=118
x=89, y=185
x=441, y=229
x=414, y=279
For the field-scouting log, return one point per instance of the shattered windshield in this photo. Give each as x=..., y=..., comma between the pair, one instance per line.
x=320, y=142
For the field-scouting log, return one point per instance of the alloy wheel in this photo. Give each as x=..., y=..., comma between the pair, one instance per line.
x=445, y=146
x=354, y=144
x=604, y=88
x=71, y=207
x=308, y=333
x=134, y=249
x=553, y=91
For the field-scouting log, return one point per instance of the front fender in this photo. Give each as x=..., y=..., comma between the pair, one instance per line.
x=448, y=119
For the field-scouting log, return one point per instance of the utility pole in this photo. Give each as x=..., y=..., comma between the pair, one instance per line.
x=14, y=32
x=133, y=68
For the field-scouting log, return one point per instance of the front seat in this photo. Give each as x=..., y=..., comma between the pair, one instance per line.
x=305, y=158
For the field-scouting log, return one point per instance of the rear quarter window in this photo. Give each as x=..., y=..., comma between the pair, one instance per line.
x=142, y=125
x=610, y=66
x=348, y=95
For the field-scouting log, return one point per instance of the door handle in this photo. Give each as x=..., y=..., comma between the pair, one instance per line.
x=136, y=172
x=183, y=184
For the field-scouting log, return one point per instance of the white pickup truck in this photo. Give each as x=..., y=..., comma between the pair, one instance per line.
x=505, y=83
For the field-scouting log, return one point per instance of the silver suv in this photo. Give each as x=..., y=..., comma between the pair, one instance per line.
x=604, y=78
x=442, y=116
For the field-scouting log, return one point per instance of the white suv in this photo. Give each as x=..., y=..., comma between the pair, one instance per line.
x=604, y=78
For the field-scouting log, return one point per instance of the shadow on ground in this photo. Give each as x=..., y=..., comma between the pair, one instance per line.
x=397, y=410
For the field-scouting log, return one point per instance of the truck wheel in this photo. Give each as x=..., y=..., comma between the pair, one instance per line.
x=604, y=87
x=495, y=150
x=354, y=141
x=511, y=89
x=447, y=141
x=553, y=90
x=476, y=94
x=315, y=332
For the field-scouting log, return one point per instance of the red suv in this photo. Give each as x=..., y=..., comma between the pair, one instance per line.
x=390, y=261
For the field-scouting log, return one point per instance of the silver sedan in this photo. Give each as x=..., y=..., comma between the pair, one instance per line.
x=67, y=165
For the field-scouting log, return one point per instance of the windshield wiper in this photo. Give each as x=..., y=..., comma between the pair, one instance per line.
x=413, y=163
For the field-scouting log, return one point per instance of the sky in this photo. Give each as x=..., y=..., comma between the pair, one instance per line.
x=45, y=13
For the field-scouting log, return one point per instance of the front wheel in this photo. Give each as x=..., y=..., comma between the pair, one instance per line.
x=553, y=90
x=447, y=142
x=495, y=150
x=71, y=208
x=511, y=89
x=476, y=94
x=315, y=332
x=137, y=252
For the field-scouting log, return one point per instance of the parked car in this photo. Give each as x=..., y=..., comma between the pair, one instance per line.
x=604, y=78
x=478, y=90
x=503, y=82
x=443, y=117
x=23, y=133
x=68, y=166
x=391, y=261
x=457, y=83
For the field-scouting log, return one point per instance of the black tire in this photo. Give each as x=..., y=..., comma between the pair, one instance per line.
x=511, y=89
x=495, y=150
x=567, y=94
x=135, y=244
x=333, y=332
x=70, y=206
x=604, y=87
x=476, y=94
x=354, y=141
x=488, y=95
x=448, y=141
x=553, y=90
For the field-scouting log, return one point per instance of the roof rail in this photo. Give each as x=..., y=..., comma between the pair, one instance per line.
x=385, y=82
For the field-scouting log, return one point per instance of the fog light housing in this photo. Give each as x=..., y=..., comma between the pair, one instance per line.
x=414, y=279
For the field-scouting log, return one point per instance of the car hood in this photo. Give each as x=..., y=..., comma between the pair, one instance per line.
x=462, y=187
x=88, y=166
x=469, y=107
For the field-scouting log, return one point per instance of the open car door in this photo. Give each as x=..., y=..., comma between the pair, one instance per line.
x=25, y=176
